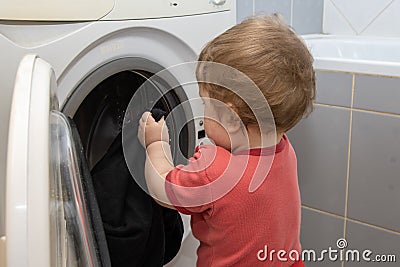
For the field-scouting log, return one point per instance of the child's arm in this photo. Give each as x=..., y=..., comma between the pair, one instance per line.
x=154, y=137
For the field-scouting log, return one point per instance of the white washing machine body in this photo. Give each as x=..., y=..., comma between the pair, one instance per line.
x=67, y=51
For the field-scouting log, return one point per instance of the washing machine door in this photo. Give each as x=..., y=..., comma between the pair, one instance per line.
x=46, y=216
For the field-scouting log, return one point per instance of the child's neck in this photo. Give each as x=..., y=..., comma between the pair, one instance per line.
x=257, y=139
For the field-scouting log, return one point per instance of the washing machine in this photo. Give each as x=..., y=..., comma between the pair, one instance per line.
x=68, y=69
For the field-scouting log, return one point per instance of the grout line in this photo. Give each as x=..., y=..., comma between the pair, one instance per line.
x=358, y=73
x=359, y=110
x=348, y=158
x=374, y=226
x=322, y=211
x=343, y=263
x=331, y=106
x=372, y=21
x=376, y=112
x=291, y=13
x=345, y=18
x=352, y=220
x=323, y=17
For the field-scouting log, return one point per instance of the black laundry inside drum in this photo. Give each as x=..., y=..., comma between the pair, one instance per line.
x=139, y=232
x=158, y=113
x=100, y=116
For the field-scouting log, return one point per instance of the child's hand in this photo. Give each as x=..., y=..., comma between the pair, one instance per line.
x=151, y=131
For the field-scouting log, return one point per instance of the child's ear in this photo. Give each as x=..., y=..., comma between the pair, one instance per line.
x=231, y=119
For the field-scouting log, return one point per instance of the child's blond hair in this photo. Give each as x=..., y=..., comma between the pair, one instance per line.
x=275, y=58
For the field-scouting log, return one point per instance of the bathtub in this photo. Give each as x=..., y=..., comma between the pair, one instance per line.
x=355, y=54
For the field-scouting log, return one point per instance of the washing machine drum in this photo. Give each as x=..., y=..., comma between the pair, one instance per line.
x=138, y=231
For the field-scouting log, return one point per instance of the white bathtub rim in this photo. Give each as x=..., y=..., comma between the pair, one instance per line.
x=349, y=37
x=353, y=65
x=380, y=68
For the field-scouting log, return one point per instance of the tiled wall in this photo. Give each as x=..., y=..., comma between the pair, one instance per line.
x=349, y=165
x=348, y=17
x=362, y=17
x=305, y=16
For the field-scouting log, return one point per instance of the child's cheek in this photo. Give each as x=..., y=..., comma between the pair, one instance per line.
x=217, y=133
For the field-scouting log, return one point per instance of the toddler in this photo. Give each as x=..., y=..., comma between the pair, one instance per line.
x=242, y=193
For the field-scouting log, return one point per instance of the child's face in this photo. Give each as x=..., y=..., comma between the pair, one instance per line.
x=215, y=130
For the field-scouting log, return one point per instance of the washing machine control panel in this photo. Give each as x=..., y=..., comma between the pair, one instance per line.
x=131, y=9
x=92, y=10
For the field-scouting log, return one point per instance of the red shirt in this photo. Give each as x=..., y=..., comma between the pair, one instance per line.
x=230, y=216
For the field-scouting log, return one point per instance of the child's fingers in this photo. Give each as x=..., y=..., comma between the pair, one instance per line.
x=140, y=134
x=146, y=117
x=164, y=130
x=162, y=123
